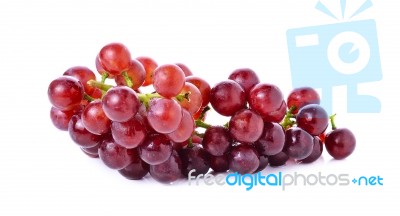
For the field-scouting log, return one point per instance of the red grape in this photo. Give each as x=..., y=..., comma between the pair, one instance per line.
x=61, y=118
x=246, y=126
x=243, y=159
x=135, y=72
x=149, y=65
x=80, y=135
x=203, y=86
x=101, y=70
x=272, y=139
x=115, y=156
x=83, y=74
x=277, y=115
x=217, y=140
x=65, y=93
x=120, y=103
x=168, y=80
x=245, y=77
x=115, y=58
x=193, y=104
x=340, y=143
x=300, y=97
x=227, y=98
x=94, y=119
x=169, y=171
x=313, y=119
x=164, y=115
x=185, y=128
x=155, y=149
x=265, y=99
x=129, y=134
x=185, y=69
x=94, y=151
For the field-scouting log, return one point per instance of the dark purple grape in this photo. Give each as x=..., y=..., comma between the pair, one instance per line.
x=227, y=98
x=245, y=77
x=169, y=171
x=298, y=144
x=217, y=140
x=300, y=97
x=272, y=139
x=313, y=119
x=278, y=159
x=137, y=169
x=194, y=158
x=246, y=126
x=155, y=149
x=316, y=152
x=263, y=163
x=80, y=135
x=219, y=163
x=113, y=155
x=340, y=143
x=244, y=159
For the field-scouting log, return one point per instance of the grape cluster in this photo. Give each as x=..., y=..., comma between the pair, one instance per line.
x=138, y=133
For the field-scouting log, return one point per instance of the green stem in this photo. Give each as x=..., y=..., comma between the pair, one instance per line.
x=104, y=76
x=226, y=125
x=287, y=121
x=128, y=80
x=203, y=113
x=200, y=123
x=145, y=98
x=88, y=97
x=99, y=85
x=190, y=145
x=332, y=118
x=182, y=97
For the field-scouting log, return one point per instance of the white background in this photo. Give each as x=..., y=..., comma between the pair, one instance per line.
x=43, y=173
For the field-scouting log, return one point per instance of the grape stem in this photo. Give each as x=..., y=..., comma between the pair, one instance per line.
x=99, y=85
x=88, y=97
x=200, y=123
x=332, y=118
x=203, y=113
x=144, y=98
x=104, y=76
x=182, y=97
x=128, y=80
x=287, y=121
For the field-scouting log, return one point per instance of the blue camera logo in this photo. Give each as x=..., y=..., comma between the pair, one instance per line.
x=337, y=54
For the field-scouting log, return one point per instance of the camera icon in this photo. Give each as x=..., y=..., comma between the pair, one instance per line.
x=337, y=54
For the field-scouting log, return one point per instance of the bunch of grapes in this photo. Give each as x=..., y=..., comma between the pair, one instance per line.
x=138, y=133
